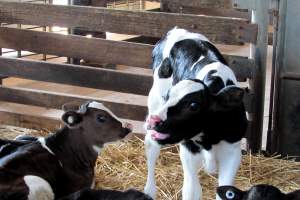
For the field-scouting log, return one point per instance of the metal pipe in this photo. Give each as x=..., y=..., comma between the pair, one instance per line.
x=275, y=12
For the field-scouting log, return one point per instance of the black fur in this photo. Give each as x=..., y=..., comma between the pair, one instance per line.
x=258, y=192
x=221, y=114
x=89, y=194
x=182, y=57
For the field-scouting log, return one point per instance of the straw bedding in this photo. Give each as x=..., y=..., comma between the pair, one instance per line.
x=123, y=165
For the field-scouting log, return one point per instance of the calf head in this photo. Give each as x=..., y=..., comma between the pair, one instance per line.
x=97, y=124
x=258, y=192
x=189, y=105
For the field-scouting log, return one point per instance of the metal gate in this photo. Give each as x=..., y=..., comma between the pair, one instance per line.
x=284, y=131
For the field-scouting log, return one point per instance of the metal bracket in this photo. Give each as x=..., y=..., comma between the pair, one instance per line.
x=245, y=4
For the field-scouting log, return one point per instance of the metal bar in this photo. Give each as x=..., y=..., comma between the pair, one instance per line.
x=290, y=76
x=275, y=8
x=260, y=16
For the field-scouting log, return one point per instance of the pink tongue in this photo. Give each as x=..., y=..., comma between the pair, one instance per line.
x=157, y=135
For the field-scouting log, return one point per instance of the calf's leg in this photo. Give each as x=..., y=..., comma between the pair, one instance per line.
x=152, y=150
x=191, y=163
x=229, y=158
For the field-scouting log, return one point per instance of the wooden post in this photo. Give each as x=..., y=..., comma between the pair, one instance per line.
x=76, y=31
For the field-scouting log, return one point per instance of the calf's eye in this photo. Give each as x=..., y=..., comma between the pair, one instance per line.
x=194, y=106
x=230, y=194
x=101, y=118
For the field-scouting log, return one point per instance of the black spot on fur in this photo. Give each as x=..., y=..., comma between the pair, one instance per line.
x=165, y=70
x=192, y=147
x=229, y=82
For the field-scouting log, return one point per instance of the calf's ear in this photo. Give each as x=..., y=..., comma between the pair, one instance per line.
x=72, y=119
x=230, y=193
x=229, y=97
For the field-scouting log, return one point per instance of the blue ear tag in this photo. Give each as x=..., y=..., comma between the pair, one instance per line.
x=71, y=119
x=230, y=194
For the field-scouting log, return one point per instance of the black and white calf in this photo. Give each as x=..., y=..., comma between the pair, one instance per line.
x=194, y=101
x=62, y=163
x=89, y=194
x=258, y=192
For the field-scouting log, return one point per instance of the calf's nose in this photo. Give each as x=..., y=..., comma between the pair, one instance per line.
x=128, y=127
x=153, y=121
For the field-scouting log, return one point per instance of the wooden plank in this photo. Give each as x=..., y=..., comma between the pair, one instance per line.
x=153, y=24
x=98, y=50
x=204, y=7
x=76, y=75
x=29, y=121
x=208, y=11
x=38, y=118
x=56, y=100
x=93, y=49
x=201, y=3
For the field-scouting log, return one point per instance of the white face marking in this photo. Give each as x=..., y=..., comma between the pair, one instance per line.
x=176, y=35
x=100, y=106
x=43, y=143
x=223, y=71
x=97, y=149
x=180, y=90
x=38, y=188
x=201, y=58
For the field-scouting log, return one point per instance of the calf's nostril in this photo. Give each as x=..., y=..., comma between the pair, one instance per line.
x=129, y=127
x=154, y=119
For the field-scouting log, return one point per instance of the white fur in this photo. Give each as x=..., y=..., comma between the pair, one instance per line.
x=223, y=71
x=19, y=136
x=195, y=63
x=223, y=157
x=175, y=35
x=180, y=90
x=100, y=106
x=191, y=163
x=226, y=155
x=43, y=143
x=152, y=150
x=210, y=163
x=161, y=86
x=229, y=158
x=39, y=189
x=93, y=183
x=97, y=149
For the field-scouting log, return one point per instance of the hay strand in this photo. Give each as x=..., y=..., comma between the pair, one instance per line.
x=122, y=166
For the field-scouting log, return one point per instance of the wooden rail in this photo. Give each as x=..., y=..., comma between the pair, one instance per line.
x=56, y=100
x=76, y=75
x=234, y=31
x=98, y=50
x=227, y=4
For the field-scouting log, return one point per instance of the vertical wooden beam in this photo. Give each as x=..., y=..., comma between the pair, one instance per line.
x=1, y=77
x=260, y=16
x=77, y=31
